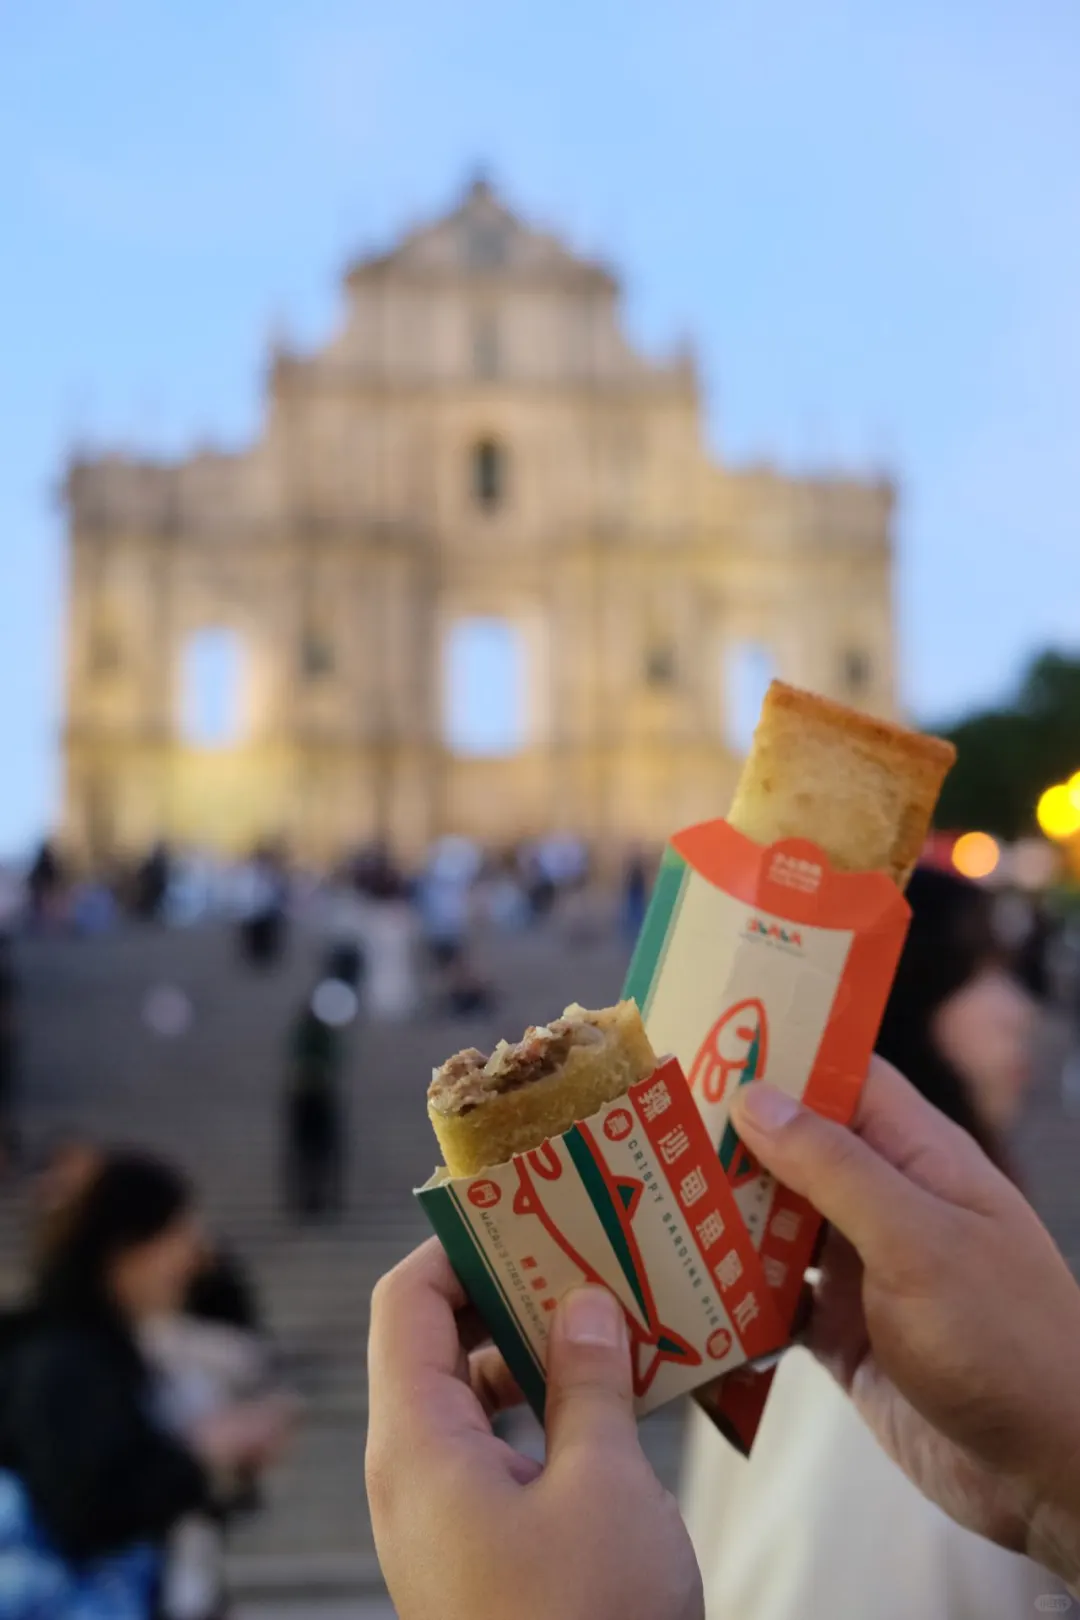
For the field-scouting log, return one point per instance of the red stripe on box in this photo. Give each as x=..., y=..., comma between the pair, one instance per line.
x=665, y=1106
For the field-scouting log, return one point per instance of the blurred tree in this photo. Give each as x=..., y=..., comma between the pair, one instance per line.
x=1007, y=756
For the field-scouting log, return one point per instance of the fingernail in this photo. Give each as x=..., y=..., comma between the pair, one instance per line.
x=593, y=1316
x=766, y=1107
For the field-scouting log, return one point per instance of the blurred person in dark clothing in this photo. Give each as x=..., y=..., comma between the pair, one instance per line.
x=205, y=1354
x=371, y=865
x=467, y=991
x=9, y=1052
x=103, y=1480
x=313, y=1146
x=1035, y=950
x=635, y=894
x=152, y=883
x=220, y=1290
x=539, y=884
x=263, y=926
x=45, y=883
x=959, y=1020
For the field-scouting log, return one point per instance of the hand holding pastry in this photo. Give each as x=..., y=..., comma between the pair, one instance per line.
x=465, y=1526
x=944, y=1309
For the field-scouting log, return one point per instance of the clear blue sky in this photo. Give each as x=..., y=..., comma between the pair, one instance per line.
x=867, y=215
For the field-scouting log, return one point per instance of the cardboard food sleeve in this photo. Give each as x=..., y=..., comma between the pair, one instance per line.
x=634, y=1198
x=765, y=963
x=752, y=963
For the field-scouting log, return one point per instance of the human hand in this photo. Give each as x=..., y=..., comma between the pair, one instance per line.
x=944, y=1308
x=467, y=1527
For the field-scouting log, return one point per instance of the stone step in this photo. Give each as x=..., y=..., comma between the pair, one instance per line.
x=288, y=1577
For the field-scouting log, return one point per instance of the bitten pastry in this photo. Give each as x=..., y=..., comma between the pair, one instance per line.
x=864, y=790
x=486, y=1109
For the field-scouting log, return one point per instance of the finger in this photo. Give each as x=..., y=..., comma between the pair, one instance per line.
x=414, y=1352
x=494, y=1384
x=590, y=1402
x=413, y=1315
x=898, y=1122
x=868, y=1199
x=836, y=1332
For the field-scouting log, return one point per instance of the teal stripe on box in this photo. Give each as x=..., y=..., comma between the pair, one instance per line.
x=656, y=930
x=596, y=1187
x=482, y=1286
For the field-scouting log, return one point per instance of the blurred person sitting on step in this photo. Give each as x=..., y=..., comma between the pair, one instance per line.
x=221, y=1290
x=95, y=1478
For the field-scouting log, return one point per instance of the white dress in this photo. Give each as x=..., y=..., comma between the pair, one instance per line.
x=819, y=1524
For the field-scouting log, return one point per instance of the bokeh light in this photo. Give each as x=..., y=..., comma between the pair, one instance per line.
x=1057, y=813
x=1073, y=788
x=1034, y=864
x=975, y=855
x=167, y=1011
x=334, y=1003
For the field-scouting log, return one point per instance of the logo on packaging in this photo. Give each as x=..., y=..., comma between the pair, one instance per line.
x=734, y=1051
x=792, y=872
x=618, y=1125
x=781, y=933
x=484, y=1194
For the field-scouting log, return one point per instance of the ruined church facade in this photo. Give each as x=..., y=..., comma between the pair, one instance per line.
x=478, y=440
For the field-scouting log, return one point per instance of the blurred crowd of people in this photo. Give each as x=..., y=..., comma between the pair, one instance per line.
x=392, y=933
x=457, y=878
x=384, y=942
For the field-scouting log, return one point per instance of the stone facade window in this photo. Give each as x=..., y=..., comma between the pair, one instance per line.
x=660, y=666
x=488, y=474
x=485, y=688
x=212, y=688
x=857, y=670
x=316, y=656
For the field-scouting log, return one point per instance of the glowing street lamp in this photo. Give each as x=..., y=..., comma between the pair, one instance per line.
x=975, y=855
x=1058, y=810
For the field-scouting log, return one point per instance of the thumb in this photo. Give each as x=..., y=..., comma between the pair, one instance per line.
x=843, y=1177
x=590, y=1398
